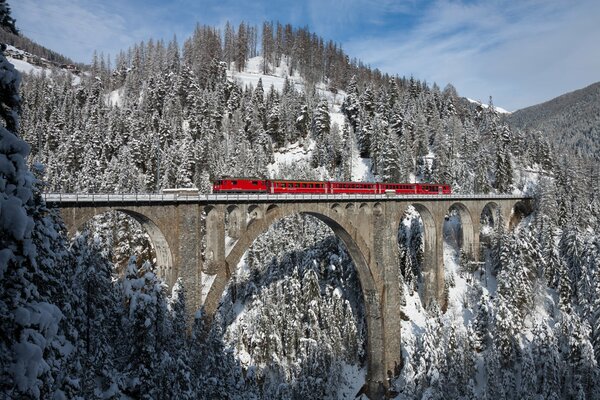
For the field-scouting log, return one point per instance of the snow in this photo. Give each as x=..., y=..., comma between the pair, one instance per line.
x=24, y=67
x=354, y=378
x=292, y=154
x=498, y=109
x=207, y=282
x=361, y=168
x=253, y=72
x=115, y=98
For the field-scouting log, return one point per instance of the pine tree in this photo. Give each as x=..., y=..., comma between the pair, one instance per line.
x=546, y=355
x=34, y=345
x=505, y=332
x=595, y=317
x=143, y=293
x=7, y=22
x=97, y=310
x=351, y=105
x=179, y=377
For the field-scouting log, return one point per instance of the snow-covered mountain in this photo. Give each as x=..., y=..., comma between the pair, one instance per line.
x=520, y=322
x=570, y=121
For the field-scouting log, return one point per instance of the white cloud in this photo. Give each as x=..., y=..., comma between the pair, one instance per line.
x=76, y=28
x=521, y=53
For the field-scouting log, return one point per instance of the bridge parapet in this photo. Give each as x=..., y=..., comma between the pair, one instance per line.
x=152, y=198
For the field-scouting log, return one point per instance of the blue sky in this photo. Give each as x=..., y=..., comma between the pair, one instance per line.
x=519, y=52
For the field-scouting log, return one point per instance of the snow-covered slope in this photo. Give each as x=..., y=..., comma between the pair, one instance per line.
x=500, y=110
x=27, y=63
x=297, y=153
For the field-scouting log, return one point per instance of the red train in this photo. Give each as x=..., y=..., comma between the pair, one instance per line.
x=248, y=185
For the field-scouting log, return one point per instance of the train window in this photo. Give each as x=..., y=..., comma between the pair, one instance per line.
x=234, y=182
x=310, y=185
x=254, y=182
x=297, y=185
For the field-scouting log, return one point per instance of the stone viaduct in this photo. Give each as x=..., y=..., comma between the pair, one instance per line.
x=203, y=238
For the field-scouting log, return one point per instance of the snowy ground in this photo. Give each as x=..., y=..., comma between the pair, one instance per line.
x=253, y=72
x=498, y=109
x=354, y=377
x=25, y=67
x=295, y=153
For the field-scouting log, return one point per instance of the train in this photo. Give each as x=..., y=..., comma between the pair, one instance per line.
x=275, y=186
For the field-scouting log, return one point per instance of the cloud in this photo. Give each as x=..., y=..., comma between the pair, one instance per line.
x=521, y=53
x=76, y=28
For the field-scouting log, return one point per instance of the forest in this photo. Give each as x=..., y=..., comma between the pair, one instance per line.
x=88, y=317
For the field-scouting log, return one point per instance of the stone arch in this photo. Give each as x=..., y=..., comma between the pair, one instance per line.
x=489, y=214
x=431, y=266
x=365, y=209
x=488, y=220
x=164, y=256
x=337, y=208
x=255, y=213
x=213, y=242
x=520, y=210
x=234, y=221
x=467, y=240
x=358, y=250
x=377, y=209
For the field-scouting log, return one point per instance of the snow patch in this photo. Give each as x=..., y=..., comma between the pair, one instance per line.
x=353, y=378
x=500, y=110
x=115, y=98
x=207, y=282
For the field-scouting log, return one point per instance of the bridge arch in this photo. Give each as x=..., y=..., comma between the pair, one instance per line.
x=359, y=252
x=164, y=256
x=489, y=214
x=430, y=269
x=520, y=210
x=467, y=239
x=235, y=220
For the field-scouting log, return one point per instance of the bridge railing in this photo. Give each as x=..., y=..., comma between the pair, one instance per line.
x=243, y=197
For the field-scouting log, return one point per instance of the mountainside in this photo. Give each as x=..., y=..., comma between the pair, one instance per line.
x=90, y=318
x=571, y=121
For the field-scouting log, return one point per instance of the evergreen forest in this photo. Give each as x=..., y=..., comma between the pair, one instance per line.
x=88, y=316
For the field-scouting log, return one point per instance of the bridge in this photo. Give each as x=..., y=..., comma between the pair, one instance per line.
x=203, y=238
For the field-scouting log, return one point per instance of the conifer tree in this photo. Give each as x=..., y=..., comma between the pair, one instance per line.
x=29, y=319
x=7, y=22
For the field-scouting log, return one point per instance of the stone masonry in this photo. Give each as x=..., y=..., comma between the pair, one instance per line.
x=203, y=241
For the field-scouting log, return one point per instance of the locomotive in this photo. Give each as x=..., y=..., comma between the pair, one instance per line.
x=273, y=186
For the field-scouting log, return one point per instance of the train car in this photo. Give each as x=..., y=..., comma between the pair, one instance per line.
x=285, y=186
x=399, y=188
x=249, y=185
x=431, y=188
x=240, y=185
x=353, y=187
